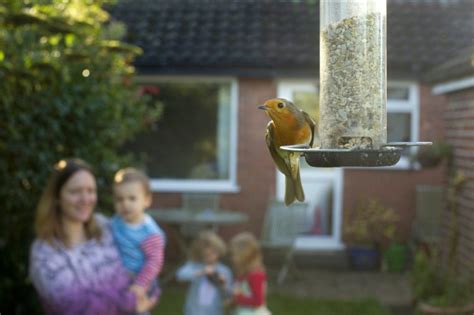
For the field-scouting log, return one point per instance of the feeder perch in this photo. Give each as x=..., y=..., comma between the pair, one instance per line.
x=353, y=88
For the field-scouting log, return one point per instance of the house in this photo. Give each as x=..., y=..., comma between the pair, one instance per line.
x=211, y=62
x=455, y=79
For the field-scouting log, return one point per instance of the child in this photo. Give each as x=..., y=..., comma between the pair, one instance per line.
x=139, y=239
x=211, y=281
x=249, y=295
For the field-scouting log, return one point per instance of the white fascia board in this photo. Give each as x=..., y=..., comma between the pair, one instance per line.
x=453, y=86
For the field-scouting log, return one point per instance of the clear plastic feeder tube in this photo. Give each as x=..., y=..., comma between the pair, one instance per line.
x=353, y=74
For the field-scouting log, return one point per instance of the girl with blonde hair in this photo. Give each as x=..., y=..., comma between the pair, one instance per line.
x=250, y=287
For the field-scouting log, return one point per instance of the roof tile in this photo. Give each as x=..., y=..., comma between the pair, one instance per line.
x=271, y=35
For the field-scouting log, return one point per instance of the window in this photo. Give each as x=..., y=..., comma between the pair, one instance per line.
x=321, y=226
x=192, y=147
x=398, y=92
x=399, y=127
x=304, y=95
x=403, y=117
x=402, y=110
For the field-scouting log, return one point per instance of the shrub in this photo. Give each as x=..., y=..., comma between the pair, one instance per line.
x=432, y=156
x=370, y=223
x=65, y=92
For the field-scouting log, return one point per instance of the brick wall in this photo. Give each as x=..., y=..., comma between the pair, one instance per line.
x=255, y=170
x=397, y=188
x=459, y=120
x=256, y=173
x=393, y=188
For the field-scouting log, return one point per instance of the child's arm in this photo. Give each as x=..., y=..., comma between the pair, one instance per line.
x=153, y=248
x=188, y=271
x=256, y=281
x=227, y=275
x=192, y=270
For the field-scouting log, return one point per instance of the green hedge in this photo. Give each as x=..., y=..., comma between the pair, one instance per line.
x=65, y=91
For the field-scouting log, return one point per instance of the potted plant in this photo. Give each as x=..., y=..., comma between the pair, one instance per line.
x=439, y=289
x=396, y=256
x=432, y=156
x=366, y=229
x=439, y=285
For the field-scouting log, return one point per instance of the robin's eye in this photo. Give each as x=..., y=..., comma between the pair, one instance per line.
x=280, y=105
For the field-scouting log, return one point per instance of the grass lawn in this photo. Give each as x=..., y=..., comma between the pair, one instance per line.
x=172, y=304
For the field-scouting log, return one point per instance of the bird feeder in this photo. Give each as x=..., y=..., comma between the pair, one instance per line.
x=353, y=87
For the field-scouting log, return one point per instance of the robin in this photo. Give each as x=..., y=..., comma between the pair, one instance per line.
x=289, y=126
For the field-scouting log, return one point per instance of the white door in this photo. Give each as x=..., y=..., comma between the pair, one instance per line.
x=322, y=186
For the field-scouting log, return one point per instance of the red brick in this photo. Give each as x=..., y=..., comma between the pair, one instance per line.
x=459, y=119
x=397, y=188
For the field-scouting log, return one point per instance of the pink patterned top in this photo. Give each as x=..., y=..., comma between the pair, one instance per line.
x=87, y=279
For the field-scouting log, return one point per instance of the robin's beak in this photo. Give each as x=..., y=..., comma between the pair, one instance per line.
x=262, y=107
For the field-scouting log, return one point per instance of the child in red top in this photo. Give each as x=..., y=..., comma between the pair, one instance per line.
x=249, y=295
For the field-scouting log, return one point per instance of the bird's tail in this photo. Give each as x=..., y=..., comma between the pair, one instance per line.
x=293, y=189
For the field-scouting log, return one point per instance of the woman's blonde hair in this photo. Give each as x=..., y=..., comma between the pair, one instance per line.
x=48, y=225
x=206, y=239
x=246, y=253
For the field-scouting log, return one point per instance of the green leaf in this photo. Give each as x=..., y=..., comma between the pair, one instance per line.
x=69, y=39
x=49, y=111
x=54, y=40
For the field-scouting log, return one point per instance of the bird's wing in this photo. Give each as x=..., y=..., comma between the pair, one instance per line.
x=312, y=125
x=274, y=151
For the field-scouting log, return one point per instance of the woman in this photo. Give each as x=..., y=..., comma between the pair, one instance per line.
x=74, y=265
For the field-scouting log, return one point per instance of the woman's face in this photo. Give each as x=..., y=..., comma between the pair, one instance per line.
x=78, y=197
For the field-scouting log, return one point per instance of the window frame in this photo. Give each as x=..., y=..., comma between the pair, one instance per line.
x=202, y=185
x=285, y=88
x=411, y=106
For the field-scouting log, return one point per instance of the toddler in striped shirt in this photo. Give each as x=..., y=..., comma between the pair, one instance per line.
x=138, y=237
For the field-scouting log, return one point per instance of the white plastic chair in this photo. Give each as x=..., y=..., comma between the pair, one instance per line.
x=281, y=227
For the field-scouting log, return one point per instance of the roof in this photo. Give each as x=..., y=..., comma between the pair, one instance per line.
x=458, y=66
x=281, y=37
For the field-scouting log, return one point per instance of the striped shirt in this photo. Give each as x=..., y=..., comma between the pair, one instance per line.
x=141, y=248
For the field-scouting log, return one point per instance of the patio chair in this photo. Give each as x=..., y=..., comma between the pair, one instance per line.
x=281, y=226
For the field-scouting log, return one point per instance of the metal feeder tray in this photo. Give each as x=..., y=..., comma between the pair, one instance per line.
x=389, y=155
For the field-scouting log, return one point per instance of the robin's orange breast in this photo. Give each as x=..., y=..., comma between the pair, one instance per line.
x=303, y=136
x=288, y=135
